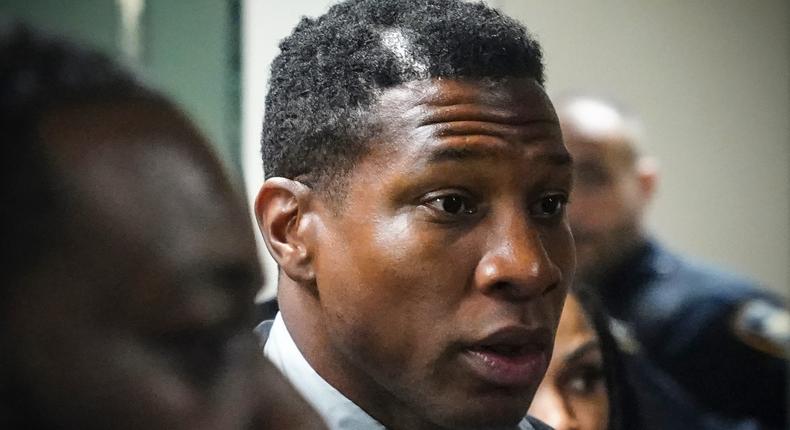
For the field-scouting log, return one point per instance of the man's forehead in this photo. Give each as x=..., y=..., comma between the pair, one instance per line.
x=463, y=119
x=452, y=117
x=522, y=95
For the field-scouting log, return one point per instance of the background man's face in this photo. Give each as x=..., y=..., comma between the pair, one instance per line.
x=443, y=273
x=607, y=202
x=141, y=319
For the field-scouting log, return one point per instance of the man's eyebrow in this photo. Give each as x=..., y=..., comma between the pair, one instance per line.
x=460, y=153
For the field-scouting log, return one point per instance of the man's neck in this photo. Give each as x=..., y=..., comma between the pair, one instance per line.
x=301, y=316
x=301, y=313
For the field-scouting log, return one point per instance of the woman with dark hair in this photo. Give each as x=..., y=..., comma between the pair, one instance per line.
x=585, y=387
x=590, y=382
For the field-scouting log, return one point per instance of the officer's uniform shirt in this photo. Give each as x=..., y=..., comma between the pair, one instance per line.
x=712, y=336
x=337, y=410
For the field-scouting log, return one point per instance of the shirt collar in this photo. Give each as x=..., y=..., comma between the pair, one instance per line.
x=337, y=410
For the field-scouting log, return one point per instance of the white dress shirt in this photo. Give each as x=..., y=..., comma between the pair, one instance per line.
x=337, y=410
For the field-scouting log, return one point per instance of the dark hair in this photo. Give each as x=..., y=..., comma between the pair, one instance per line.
x=623, y=405
x=331, y=69
x=38, y=74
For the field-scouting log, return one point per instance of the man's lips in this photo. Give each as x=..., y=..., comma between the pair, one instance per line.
x=513, y=356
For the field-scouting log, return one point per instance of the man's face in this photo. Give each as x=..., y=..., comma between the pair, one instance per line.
x=608, y=198
x=141, y=318
x=442, y=272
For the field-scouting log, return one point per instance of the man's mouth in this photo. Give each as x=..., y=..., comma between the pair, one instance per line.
x=511, y=357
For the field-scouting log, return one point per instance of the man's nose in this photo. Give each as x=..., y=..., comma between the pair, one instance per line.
x=516, y=262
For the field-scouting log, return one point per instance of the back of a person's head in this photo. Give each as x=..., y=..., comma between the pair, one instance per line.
x=331, y=70
x=38, y=75
x=113, y=205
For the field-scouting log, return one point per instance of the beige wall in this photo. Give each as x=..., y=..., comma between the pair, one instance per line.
x=709, y=77
x=711, y=81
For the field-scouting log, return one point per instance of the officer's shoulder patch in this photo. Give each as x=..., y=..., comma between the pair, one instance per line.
x=763, y=325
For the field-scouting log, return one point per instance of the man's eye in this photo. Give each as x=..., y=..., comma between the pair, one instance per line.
x=453, y=204
x=549, y=206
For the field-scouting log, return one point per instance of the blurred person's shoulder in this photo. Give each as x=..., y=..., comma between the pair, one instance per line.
x=688, y=295
x=680, y=283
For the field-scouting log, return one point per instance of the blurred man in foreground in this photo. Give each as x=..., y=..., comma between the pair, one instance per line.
x=720, y=338
x=415, y=203
x=129, y=268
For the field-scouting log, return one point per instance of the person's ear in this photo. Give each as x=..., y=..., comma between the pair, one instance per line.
x=647, y=169
x=280, y=209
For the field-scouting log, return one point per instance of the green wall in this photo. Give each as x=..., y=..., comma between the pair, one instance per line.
x=190, y=50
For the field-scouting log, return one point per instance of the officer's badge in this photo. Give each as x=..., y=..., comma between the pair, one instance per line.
x=763, y=325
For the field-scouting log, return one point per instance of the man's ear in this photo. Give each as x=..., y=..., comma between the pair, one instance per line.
x=280, y=209
x=647, y=169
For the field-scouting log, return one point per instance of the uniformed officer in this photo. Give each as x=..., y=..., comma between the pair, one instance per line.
x=712, y=336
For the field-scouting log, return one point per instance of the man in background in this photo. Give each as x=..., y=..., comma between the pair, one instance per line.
x=717, y=336
x=415, y=203
x=129, y=269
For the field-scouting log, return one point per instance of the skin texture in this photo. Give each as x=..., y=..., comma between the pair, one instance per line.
x=573, y=393
x=613, y=186
x=451, y=229
x=141, y=316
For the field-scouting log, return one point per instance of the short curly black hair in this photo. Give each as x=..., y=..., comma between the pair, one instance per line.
x=39, y=73
x=331, y=69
